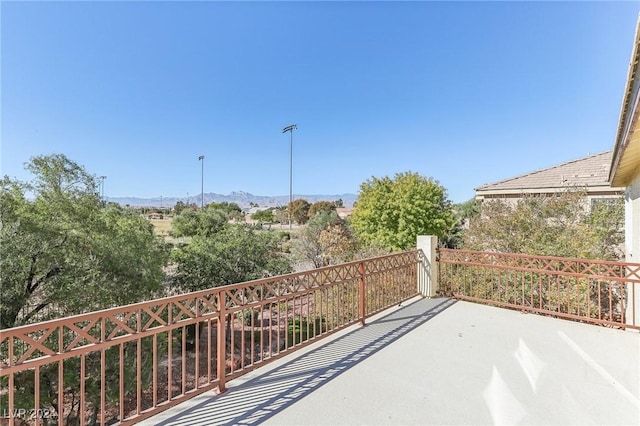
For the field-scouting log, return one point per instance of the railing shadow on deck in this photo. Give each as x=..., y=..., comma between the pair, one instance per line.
x=262, y=397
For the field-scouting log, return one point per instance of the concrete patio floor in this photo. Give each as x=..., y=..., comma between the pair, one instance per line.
x=438, y=361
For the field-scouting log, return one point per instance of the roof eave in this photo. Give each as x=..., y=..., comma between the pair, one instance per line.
x=628, y=111
x=597, y=189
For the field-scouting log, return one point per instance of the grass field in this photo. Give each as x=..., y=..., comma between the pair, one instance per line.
x=162, y=227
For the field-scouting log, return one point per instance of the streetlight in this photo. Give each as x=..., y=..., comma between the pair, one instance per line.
x=201, y=158
x=290, y=129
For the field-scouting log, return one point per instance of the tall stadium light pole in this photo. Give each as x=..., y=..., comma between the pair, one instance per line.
x=201, y=158
x=290, y=129
x=102, y=178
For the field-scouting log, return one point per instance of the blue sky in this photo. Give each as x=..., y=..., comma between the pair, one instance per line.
x=465, y=92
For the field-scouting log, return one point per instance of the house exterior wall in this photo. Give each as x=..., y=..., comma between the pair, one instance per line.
x=632, y=240
x=632, y=220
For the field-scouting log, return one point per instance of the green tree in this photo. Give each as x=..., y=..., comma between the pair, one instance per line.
x=179, y=207
x=235, y=254
x=203, y=223
x=559, y=225
x=264, y=216
x=299, y=211
x=281, y=215
x=564, y=225
x=463, y=213
x=306, y=247
x=390, y=213
x=338, y=243
x=320, y=206
x=606, y=221
x=232, y=210
x=64, y=253
x=324, y=240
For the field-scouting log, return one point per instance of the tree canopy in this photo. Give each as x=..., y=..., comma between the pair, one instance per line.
x=180, y=207
x=232, y=210
x=64, y=252
x=463, y=213
x=324, y=240
x=321, y=206
x=264, y=216
x=558, y=225
x=299, y=211
x=391, y=213
x=235, y=254
x=200, y=222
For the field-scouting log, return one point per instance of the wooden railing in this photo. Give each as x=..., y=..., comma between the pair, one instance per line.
x=599, y=292
x=125, y=364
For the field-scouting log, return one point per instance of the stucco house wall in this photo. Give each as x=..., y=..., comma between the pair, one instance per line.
x=632, y=220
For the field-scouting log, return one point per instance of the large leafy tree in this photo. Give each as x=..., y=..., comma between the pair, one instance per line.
x=264, y=216
x=299, y=211
x=338, y=243
x=180, y=207
x=281, y=215
x=233, y=210
x=321, y=206
x=204, y=223
x=606, y=222
x=324, y=240
x=563, y=225
x=62, y=251
x=463, y=213
x=390, y=213
x=235, y=254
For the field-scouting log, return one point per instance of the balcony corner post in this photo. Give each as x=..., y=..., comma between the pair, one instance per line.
x=428, y=284
x=361, y=293
x=221, y=341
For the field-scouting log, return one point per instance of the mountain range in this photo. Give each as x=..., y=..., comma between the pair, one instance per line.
x=243, y=199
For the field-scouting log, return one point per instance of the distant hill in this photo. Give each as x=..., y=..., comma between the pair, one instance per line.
x=243, y=199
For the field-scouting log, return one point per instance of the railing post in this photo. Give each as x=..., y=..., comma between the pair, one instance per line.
x=631, y=303
x=428, y=284
x=221, y=341
x=361, y=293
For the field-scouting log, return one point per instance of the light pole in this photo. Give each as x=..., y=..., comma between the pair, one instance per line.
x=201, y=158
x=102, y=178
x=290, y=129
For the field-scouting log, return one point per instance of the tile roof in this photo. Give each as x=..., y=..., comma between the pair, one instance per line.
x=588, y=172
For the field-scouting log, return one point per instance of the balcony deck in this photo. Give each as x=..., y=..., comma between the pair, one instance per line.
x=438, y=361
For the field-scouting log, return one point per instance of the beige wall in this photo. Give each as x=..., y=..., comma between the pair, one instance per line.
x=632, y=243
x=632, y=220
